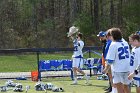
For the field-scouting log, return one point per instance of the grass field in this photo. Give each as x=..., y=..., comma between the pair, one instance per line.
x=28, y=62
x=95, y=86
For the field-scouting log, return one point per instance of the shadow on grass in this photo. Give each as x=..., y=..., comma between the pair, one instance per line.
x=92, y=85
x=60, y=79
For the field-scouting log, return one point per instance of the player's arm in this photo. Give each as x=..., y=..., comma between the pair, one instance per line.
x=72, y=37
x=136, y=71
x=109, y=58
x=111, y=54
x=131, y=75
x=107, y=66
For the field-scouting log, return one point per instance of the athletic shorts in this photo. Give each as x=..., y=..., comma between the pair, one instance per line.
x=77, y=62
x=137, y=81
x=120, y=77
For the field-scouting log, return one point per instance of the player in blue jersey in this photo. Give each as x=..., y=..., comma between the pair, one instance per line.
x=118, y=57
x=134, y=40
x=137, y=32
x=105, y=39
x=78, y=56
x=109, y=73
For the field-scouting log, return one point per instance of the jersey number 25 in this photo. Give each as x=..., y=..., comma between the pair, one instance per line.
x=123, y=52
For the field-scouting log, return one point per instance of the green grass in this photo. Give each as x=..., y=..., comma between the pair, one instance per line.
x=28, y=62
x=95, y=86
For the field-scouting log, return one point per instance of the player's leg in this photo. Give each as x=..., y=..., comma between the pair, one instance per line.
x=117, y=81
x=137, y=83
x=137, y=89
x=126, y=89
x=85, y=75
x=125, y=81
x=114, y=89
x=109, y=74
x=75, y=75
x=80, y=71
x=119, y=87
x=75, y=66
x=80, y=65
x=80, y=61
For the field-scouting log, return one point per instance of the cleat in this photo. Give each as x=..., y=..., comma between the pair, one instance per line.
x=74, y=83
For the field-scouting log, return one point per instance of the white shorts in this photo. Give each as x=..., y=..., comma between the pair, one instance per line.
x=137, y=81
x=77, y=62
x=120, y=77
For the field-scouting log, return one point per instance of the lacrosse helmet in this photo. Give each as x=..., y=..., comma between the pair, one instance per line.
x=3, y=88
x=138, y=32
x=10, y=83
x=57, y=89
x=49, y=86
x=39, y=86
x=18, y=88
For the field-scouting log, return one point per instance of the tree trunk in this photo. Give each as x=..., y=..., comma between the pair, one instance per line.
x=73, y=9
x=120, y=19
x=96, y=15
x=111, y=13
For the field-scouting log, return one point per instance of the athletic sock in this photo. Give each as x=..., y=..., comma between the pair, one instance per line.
x=87, y=78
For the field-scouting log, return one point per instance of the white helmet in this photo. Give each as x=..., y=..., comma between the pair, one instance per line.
x=49, y=86
x=72, y=30
x=10, y=83
x=39, y=86
x=57, y=89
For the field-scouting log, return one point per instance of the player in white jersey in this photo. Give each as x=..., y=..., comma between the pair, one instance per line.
x=119, y=58
x=135, y=60
x=78, y=57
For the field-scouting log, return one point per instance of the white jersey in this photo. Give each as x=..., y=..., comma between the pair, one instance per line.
x=135, y=60
x=132, y=60
x=78, y=46
x=119, y=52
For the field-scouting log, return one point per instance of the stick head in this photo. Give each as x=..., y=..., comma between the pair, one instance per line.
x=72, y=30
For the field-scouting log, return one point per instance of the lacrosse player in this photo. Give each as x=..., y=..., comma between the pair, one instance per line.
x=134, y=40
x=137, y=32
x=105, y=39
x=118, y=57
x=77, y=54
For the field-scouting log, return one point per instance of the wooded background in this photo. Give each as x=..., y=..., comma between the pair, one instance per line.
x=44, y=23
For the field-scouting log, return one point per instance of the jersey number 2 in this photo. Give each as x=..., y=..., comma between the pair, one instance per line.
x=123, y=52
x=76, y=48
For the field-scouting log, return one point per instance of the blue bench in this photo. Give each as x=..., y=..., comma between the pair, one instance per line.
x=55, y=65
x=66, y=65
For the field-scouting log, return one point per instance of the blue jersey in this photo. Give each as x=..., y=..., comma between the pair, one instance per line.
x=108, y=42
